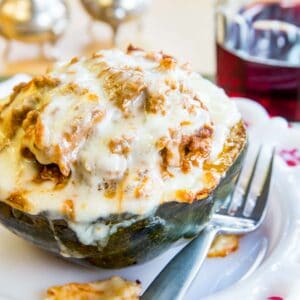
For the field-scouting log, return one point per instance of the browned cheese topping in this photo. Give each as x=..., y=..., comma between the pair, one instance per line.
x=115, y=132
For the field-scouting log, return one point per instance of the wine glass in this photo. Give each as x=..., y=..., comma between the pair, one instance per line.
x=115, y=12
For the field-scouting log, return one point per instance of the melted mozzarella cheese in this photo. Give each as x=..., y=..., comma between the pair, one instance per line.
x=113, y=162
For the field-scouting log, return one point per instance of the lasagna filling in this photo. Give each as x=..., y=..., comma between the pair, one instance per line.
x=115, y=133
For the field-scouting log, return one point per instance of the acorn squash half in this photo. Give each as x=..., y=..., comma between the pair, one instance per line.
x=147, y=236
x=108, y=160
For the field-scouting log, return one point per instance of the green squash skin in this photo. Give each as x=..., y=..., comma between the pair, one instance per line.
x=143, y=240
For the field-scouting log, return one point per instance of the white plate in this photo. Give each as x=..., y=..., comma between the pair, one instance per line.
x=266, y=264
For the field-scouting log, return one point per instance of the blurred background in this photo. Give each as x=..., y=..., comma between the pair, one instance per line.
x=183, y=28
x=251, y=48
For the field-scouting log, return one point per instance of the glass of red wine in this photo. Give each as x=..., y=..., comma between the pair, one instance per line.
x=258, y=53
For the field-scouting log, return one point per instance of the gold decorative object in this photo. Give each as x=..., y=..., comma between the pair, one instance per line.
x=32, y=21
x=115, y=12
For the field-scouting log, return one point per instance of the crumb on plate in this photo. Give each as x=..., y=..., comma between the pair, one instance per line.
x=223, y=245
x=114, y=288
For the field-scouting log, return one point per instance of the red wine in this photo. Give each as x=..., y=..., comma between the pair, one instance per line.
x=266, y=66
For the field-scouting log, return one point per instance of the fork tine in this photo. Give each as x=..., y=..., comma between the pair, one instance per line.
x=225, y=207
x=260, y=206
x=240, y=210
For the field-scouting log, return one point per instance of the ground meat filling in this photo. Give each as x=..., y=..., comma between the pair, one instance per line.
x=184, y=151
x=195, y=147
x=51, y=173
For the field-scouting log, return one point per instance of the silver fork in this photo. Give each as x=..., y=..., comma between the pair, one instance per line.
x=174, y=280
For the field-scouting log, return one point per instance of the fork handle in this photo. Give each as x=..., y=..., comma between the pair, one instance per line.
x=173, y=281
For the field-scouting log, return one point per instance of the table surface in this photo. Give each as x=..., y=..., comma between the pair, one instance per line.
x=183, y=28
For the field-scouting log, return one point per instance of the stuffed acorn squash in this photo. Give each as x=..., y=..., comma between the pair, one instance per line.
x=110, y=159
